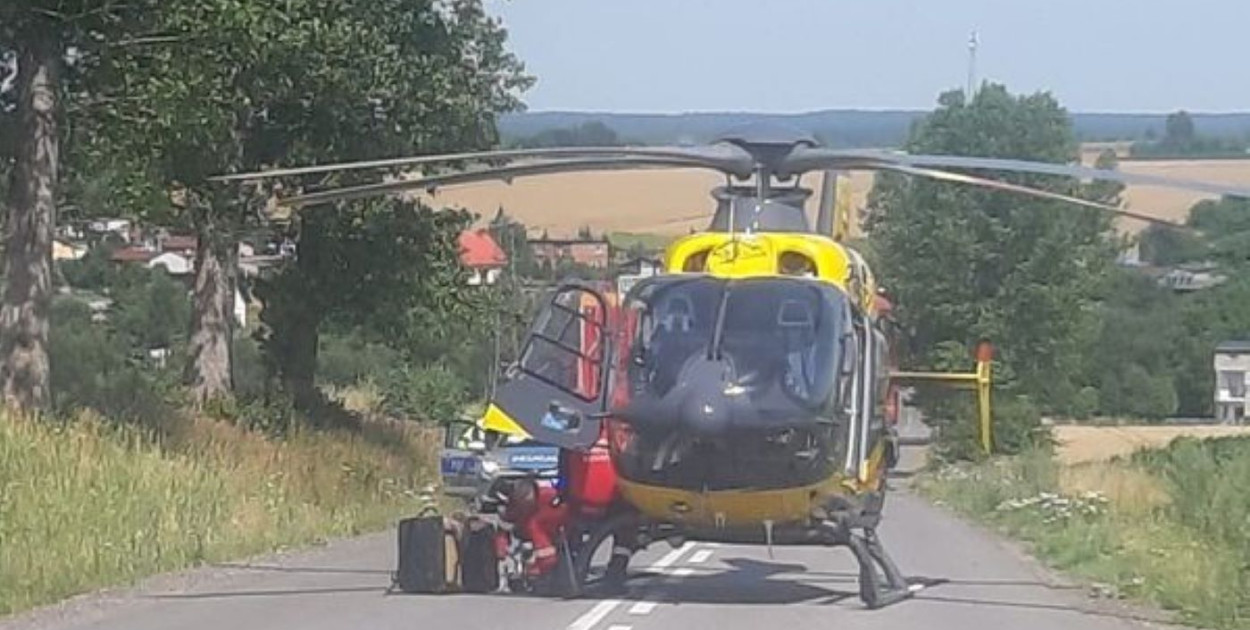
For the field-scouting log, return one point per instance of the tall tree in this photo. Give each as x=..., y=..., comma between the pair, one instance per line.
x=40, y=42
x=1178, y=130
x=240, y=85
x=966, y=263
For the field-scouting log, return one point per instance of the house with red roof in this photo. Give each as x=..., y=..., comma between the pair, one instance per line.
x=484, y=258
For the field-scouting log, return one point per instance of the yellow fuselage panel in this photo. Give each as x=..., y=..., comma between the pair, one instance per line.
x=758, y=254
x=722, y=508
x=729, y=508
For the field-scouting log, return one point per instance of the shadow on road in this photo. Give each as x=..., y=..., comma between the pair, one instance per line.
x=747, y=582
x=925, y=596
x=296, y=569
x=380, y=590
x=757, y=582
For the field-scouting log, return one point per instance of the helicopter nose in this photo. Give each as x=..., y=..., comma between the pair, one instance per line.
x=705, y=407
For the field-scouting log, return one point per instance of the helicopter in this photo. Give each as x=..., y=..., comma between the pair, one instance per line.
x=740, y=396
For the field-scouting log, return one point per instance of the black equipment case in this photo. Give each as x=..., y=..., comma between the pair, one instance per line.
x=441, y=555
x=428, y=556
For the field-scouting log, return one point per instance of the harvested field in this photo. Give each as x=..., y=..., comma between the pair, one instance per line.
x=672, y=202
x=1079, y=444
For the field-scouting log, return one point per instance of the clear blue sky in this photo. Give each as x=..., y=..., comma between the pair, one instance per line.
x=699, y=55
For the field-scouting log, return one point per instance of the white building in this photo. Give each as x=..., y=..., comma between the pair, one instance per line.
x=174, y=264
x=1232, y=375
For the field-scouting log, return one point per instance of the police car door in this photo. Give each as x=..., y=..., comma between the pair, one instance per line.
x=556, y=391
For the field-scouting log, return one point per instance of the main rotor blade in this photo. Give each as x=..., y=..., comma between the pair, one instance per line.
x=725, y=157
x=484, y=175
x=962, y=178
x=1044, y=168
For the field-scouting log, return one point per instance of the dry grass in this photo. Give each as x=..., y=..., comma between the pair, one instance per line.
x=671, y=202
x=85, y=504
x=1100, y=443
x=1129, y=490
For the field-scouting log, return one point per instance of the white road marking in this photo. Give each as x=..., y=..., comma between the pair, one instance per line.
x=619, y=627
x=605, y=608
x=678, y=574
x=701, y=556
x=672, y=556
x=643, y=608
x=595, y=615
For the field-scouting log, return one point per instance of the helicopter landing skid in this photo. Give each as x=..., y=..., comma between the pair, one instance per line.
x=880, y=581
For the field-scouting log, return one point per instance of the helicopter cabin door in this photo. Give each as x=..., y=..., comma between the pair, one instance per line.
x=863, y=398
x=556, y=392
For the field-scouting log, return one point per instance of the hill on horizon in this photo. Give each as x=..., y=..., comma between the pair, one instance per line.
x=849, y=128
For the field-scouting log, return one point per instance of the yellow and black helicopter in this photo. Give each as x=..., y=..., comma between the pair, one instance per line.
x=741, y=394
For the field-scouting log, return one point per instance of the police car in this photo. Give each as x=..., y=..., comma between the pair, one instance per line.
x=473, y=458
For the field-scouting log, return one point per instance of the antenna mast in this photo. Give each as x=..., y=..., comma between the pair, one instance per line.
x=972, y=66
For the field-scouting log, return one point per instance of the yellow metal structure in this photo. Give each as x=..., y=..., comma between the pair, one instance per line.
x=979, y=379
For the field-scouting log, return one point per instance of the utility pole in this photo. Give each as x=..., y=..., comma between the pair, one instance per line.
x=972, y=67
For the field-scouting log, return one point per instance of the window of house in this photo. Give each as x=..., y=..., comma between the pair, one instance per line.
x=1233, y=381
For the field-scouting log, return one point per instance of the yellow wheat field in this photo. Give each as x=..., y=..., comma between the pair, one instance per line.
x=672, y=202
x=1080, y=444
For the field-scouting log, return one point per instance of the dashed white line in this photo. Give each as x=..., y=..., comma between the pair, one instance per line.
x=672, y=556
x=701, y=556
x=642, y=608
x=595, y=615
x=605, y=607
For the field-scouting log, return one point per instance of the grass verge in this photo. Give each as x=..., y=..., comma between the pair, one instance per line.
x=87, y=504
x=1170, y=527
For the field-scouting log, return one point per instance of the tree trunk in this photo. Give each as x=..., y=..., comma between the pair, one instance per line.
x=24, y=373
x=209, y=371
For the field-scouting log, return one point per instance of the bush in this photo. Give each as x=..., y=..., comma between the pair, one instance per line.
x=91, y=369
x=1207, y=482
x=250, y=373
x=1085, y=404
x=1016, y=426
x=433, y=394
x=344, y=360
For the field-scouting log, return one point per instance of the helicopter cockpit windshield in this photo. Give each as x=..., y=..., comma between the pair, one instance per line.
x=780, y=337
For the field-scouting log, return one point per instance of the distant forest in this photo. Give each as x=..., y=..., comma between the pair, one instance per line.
x=842, y=128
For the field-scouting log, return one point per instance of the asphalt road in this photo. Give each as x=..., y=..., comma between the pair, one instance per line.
x=344, y=585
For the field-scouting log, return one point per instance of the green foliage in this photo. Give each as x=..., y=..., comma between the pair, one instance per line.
x=1164, y=246
x=432, y=394
x=1181, y=139
x=376, y=269
x=249, y=371
x=303, y=82
x=1086, y=403
x=1186, y=552
x=1207, y=481
x=639, y=244
x=588, y=134
x=966, y=264
x=1017, y=425
x=151, y=312
x=94, y=271
x=94, y=368
x=512, y=236
x=345, y=360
